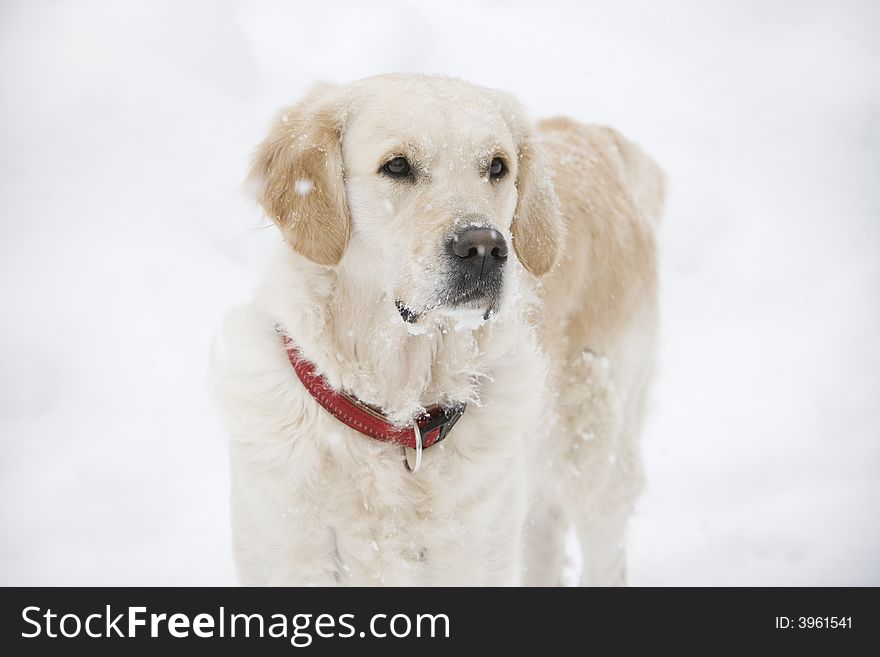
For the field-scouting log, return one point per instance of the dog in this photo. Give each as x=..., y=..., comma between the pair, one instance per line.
x=446, y=368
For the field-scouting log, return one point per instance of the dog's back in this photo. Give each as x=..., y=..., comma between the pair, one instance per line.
x=598, y=325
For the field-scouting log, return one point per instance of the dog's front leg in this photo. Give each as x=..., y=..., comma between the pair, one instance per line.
x=313, y=563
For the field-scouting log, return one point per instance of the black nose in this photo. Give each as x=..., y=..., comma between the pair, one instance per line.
x=481, y=250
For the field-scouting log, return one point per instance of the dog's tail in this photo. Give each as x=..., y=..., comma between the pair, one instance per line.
x=646, y=181
x=640, y=175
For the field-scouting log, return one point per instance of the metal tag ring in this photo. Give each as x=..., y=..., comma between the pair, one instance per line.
x=418, y=434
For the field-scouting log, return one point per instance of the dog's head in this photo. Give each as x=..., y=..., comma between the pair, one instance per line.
x=422, y=186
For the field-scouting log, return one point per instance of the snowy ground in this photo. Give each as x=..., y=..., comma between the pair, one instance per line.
x=124, y=133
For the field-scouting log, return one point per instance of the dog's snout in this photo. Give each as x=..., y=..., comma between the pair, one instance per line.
x=481, y=249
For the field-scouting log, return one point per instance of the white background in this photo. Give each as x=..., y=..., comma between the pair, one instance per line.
x=125, y=129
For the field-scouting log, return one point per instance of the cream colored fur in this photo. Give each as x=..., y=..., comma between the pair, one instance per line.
x=555, y=379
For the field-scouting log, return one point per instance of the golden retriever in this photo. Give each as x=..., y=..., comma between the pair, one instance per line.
x=441, y=251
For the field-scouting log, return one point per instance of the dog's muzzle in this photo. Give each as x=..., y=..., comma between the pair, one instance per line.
x=476, y=257
x=474, y=265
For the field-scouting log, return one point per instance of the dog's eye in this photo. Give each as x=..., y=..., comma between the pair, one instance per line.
x=497, y=169
x=397, y=167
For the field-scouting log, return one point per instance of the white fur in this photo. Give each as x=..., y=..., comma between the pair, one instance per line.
x=549, y=435
x=315, y=502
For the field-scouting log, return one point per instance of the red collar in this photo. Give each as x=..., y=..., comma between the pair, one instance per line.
x=433, y=426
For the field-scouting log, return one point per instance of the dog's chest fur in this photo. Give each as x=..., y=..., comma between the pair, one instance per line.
x=315, y=502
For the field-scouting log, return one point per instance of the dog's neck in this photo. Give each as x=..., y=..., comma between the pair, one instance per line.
x=357, y=340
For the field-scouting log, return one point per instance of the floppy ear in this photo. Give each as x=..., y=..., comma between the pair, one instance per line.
x=537, y=224
x=299, y=177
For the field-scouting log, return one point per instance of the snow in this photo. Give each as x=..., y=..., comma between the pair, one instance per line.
x=303, y=187
x=126, y=130
x=463, y=319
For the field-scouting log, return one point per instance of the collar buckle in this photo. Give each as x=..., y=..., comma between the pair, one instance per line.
x=444, y=420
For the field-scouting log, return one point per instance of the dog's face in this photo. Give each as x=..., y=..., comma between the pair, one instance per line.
x=423, y=187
